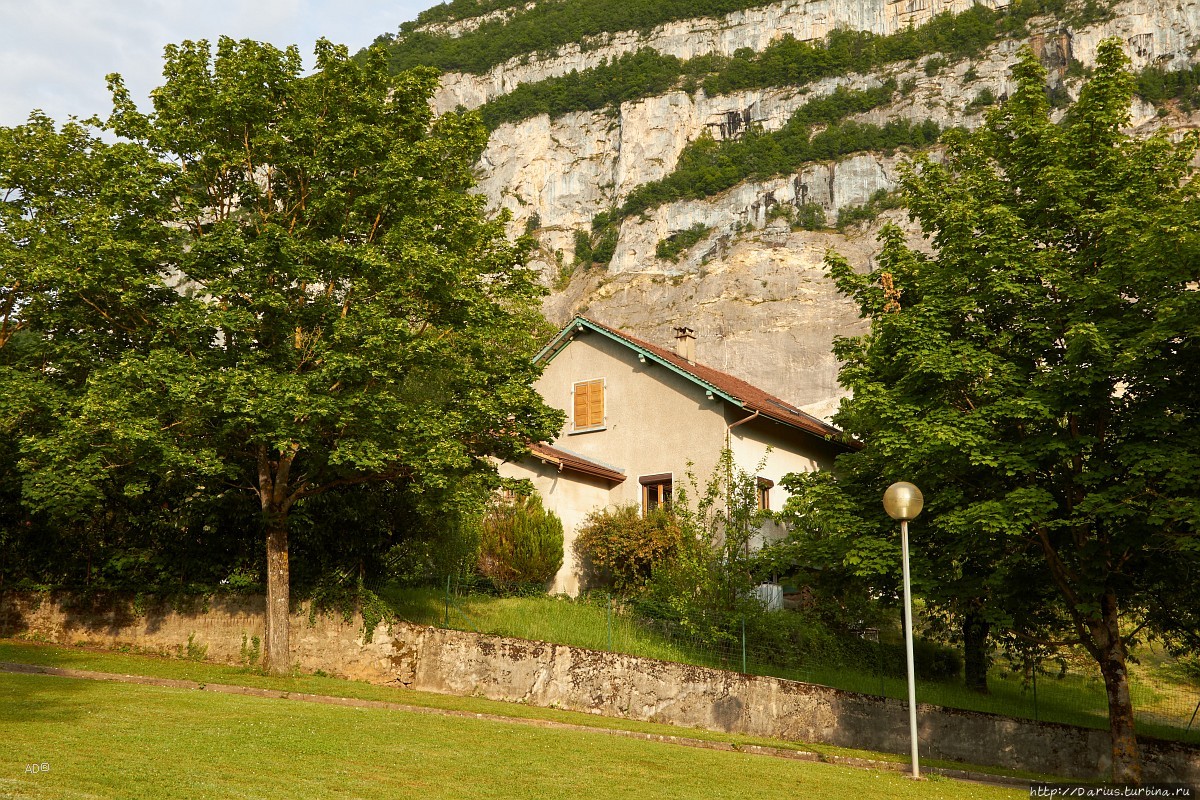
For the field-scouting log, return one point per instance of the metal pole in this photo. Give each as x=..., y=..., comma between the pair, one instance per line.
x=908, y=646
x=1189, y=727
x=447, y=601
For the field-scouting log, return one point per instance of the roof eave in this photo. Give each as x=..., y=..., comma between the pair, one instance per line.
x=554, y=348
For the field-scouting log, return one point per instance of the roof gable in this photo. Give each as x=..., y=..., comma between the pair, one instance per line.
x=721, y=384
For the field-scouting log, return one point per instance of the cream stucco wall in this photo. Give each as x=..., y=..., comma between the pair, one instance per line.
x=781, y=450
x=655, y=419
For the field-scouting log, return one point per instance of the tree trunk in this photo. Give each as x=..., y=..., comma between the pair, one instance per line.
x=277, y=646
x=975, y=630
x=1126, y=757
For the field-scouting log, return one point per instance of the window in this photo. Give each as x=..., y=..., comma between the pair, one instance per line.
x=656, y=491
x=589, y=404
x=764, y=494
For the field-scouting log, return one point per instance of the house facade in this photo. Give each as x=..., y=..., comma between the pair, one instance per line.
x=638, y=413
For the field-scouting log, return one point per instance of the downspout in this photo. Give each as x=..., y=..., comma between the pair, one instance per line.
x=733, y=425
x=729, y=447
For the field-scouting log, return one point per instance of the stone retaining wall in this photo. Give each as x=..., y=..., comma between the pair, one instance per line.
x=611, y=684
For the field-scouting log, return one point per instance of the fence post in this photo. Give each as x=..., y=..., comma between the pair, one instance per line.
x=1036, y=718
x=610, y=623
x=743, y=645
x=447, y=601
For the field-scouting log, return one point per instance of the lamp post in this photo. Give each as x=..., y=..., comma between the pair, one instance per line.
x=903, y=501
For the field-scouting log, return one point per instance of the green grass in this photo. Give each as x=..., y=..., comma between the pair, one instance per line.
x=117, y=740
x=540, y=618
x=207, y=673
x=1164, y=699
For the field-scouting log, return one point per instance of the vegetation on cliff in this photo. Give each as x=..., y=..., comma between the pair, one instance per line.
x=787, y=62
x=707, y=167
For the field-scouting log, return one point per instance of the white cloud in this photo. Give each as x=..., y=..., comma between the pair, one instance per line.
x=54, y=54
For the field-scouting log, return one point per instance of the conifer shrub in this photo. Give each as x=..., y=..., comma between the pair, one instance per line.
x=520, y=543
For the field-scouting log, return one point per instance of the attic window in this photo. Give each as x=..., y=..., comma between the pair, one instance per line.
x=588, y=403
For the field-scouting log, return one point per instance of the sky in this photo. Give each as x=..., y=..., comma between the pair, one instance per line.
x=54, y=54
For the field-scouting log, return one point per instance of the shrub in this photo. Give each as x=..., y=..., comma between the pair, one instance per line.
x=520, y=543
x=880, y=201
x=622, y=548
x=675, y=245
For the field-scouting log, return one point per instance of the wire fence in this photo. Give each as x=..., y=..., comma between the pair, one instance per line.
x=1067, y=689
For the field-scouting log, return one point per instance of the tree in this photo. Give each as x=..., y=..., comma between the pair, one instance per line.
x=340, y=309
x=1042, y=362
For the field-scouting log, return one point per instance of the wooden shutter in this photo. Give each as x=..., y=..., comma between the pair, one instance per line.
x=589, y=404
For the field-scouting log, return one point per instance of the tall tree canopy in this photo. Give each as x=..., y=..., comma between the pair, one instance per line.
x=273, y=282
x=1036, y=375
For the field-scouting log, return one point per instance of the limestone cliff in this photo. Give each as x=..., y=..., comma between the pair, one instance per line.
x=754, y=290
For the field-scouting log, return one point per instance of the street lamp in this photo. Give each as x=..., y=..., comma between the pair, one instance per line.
x=903, y=501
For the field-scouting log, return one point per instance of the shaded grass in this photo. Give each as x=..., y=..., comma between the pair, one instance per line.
x=119, y=740
x=199, y=672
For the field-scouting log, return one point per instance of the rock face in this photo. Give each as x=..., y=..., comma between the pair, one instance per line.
x=754, y=28
x=753, y=290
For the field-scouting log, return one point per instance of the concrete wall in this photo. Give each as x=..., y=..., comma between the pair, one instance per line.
x=611, y=684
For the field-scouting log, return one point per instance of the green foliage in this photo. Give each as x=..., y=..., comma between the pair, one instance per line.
x=676, y=244
x=583, y=248
x=1158, y=86
x=462, y=9
x=706, y=586
x=1032, y=376
x=520, y=543
x=604, y=246
x=985, y=98
x=707, y=167
x=543, y=28
x=802, y=217
x=250, y=652
x=796, y=640
x=882, y=200
x=634, y=75
x=785, y=62
x=193, y=650
x=595, y=248
x=347, y=313
x=622, y=548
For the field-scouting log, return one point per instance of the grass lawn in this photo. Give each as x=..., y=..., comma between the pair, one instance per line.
x=114, y=740
x=201, y=672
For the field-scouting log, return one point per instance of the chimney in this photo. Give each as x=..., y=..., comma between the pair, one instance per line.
x=685, y=344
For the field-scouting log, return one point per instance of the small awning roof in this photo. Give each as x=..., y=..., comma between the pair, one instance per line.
x=574, y=462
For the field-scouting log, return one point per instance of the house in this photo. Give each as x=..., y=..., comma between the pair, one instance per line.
x=637, y=414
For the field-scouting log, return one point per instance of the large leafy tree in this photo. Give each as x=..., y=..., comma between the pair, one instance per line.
x=340, y=310
x=1036, y=374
